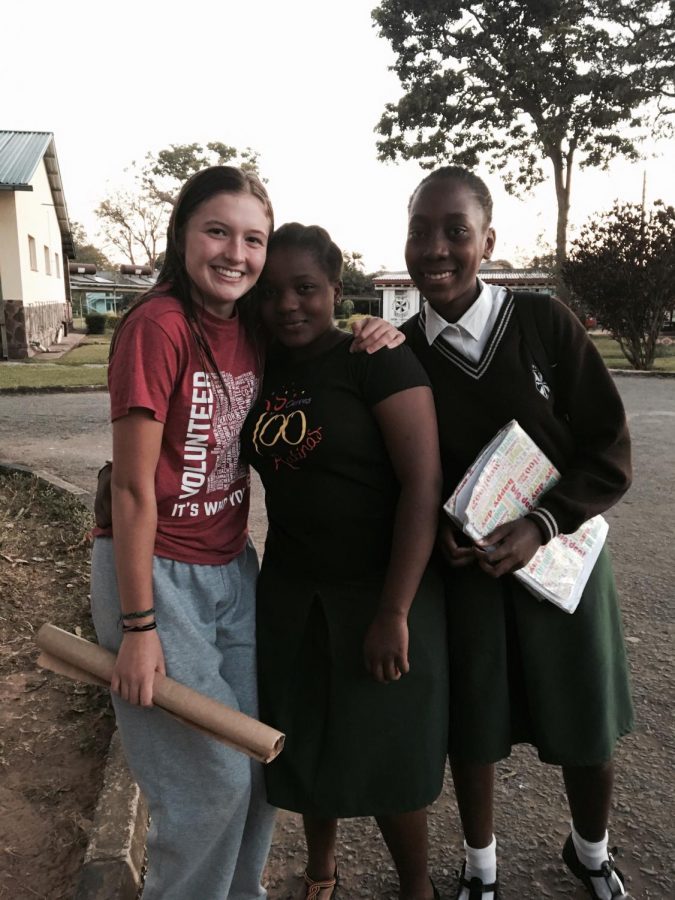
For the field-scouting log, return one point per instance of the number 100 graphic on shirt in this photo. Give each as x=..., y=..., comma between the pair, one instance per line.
x=213, y=430
x=282, y=431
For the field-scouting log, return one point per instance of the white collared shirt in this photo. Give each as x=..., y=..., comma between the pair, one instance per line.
x=471, y=332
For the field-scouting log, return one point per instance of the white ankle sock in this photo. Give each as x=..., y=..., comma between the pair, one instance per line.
x=482, y=863
x=593, y=855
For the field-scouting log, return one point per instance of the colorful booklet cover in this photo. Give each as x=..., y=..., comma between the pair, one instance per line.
x=505, y=482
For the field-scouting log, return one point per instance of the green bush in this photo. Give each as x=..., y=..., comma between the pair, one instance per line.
x=345, y=309
x=111, y=322
x=95, y=323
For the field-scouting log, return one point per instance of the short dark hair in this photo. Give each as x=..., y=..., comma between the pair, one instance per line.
x=457, y=173
x=313, y=238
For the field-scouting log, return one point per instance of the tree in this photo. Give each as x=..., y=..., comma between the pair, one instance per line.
x=658, y=68
x=85, y=251
x=134, y=221
x=355, y=281
x=511, y=83
x=543, y=256
x=135, y=224
x=164, y=172
x=544, y=261
x=621, y=269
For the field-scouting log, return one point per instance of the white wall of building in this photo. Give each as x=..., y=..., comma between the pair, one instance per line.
x=35, y=216
x=399, y=303
x=10, y=263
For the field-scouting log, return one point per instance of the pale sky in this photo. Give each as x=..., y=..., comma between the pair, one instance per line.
x=304, y=82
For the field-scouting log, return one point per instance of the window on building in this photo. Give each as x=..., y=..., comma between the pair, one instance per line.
x=32, y=252
x=48, y=261
x=57, y=265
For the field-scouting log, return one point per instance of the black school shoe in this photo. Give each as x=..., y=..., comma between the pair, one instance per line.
x=607, y=870
x=476, y=886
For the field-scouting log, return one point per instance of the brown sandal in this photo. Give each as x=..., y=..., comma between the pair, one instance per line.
x=320, y=890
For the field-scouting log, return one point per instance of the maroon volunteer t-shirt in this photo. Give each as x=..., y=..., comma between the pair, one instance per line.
x=201, y=484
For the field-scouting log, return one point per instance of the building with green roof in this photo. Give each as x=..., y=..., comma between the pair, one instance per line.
x=35, y=245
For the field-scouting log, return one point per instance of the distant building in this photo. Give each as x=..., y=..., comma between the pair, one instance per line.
x=35, y=240
x=401, y=299
x=107, y=292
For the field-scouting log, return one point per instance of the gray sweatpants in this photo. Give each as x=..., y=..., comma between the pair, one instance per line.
x=210, y=826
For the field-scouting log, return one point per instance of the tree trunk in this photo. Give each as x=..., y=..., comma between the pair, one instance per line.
x=562, y=172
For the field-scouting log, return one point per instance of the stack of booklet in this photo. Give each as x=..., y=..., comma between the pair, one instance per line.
x=505, y=482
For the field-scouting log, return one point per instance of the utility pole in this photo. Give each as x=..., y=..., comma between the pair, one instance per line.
x=644, y=190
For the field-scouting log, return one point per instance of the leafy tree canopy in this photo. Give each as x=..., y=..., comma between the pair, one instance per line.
x=510, y=83
x=621, y=269
x=164, y=172
x=134, y=224
x=134, y=221
x=355, y=281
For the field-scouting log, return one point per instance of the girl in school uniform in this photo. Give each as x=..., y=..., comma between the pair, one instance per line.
x=350, y=623
x=521, y=670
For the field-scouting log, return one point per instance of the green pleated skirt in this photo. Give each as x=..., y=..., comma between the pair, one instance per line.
x=354, y=747
x=524, y=671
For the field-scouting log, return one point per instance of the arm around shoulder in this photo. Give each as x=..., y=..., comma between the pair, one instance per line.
x=372, y=334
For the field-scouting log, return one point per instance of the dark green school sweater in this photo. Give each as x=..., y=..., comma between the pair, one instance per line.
x=567, y=403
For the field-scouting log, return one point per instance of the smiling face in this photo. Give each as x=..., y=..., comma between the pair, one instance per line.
x=225, y=242
x=448, y=237
x=298, y=300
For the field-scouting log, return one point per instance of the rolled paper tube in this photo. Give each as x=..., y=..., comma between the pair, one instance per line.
x=82, y=660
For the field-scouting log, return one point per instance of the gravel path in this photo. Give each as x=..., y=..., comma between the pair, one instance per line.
x=67, y=435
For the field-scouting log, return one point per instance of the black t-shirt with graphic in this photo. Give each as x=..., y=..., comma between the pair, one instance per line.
x=330, y=488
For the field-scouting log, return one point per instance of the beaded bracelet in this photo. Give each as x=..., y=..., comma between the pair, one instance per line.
x=149, y=627
x=138, y=615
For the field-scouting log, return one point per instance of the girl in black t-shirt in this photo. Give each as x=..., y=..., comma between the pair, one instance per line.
x=350, y=627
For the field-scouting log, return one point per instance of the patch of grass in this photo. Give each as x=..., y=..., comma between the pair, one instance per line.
x=85, y=365
x=49, y=375
x=665, y=364
x=614, y=358
x=93, y=350
x=606, y=345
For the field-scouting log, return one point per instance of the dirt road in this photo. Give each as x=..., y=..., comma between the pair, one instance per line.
x=67, y=435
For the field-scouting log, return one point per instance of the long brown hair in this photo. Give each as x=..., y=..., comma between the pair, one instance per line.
x=173, y=279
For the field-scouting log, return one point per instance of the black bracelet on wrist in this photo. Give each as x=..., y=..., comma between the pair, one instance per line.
x=149, y=627
x=138, y=615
